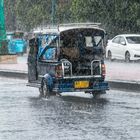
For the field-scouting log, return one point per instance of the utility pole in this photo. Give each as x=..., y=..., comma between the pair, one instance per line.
x=53, y=11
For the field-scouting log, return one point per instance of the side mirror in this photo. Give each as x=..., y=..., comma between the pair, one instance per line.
x=123, y=43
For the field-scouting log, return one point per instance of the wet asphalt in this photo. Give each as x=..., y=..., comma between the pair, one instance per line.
x=23, y=115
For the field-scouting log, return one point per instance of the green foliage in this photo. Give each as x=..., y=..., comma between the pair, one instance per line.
x=10, y=14
x=33, y=13
x=116, y=16
x=63, y=13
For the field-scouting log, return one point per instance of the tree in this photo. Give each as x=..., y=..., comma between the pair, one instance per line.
x=116, y=16
x=10, y=17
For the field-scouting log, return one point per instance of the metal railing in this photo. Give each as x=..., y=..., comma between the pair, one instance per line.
x=96, y=67
x=67, y=68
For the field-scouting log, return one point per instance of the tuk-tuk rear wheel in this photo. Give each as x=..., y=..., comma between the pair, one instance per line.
x=44, y=90
x=96, y=94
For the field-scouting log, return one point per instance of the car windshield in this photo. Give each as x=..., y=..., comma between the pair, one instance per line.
x=133, y=39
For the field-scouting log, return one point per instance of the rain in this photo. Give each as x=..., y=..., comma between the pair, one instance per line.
x=69, y=69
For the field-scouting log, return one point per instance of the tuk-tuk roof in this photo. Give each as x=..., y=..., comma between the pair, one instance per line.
x=64, y=27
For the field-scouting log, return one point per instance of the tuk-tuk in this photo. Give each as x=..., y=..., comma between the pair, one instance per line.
x=68, y=58
x=16, y=42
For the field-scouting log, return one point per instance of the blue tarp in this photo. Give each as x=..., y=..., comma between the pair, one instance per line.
x=44, y=42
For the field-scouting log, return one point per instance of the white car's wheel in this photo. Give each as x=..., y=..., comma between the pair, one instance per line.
x=109, y=55
x=127, y=57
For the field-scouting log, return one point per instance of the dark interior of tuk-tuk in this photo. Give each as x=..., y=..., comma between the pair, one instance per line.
x=80, y=47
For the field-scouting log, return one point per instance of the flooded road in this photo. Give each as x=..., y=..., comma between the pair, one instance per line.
x=23, y=115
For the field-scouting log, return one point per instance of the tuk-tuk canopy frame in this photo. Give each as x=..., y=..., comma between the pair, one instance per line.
x=57, y=29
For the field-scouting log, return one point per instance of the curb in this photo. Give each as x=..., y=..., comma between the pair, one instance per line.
x=13, y=74
x=113, y=84
x=124, y=85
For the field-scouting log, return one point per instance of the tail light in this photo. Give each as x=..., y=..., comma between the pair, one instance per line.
x=58, y=71
x=103, y=70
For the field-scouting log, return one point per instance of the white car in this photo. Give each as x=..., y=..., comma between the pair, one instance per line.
x=125, y=47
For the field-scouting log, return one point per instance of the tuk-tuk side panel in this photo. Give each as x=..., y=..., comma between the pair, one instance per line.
x=47, y=55
x=45, y=67
x=39, y=62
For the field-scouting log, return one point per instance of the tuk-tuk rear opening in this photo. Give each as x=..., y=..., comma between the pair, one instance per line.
x=82, y=48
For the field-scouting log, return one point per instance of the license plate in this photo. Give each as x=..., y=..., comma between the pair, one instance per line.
x=81, y=84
